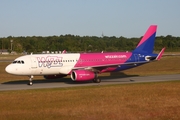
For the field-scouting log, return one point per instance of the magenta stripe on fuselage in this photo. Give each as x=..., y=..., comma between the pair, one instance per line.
x=102, y=59
x=148, y=34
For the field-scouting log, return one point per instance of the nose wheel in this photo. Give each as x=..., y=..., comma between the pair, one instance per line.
x=30, y=80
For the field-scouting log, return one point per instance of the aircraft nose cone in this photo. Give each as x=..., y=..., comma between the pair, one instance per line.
x=8, y=69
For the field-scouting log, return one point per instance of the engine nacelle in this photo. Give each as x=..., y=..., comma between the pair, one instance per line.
x=82, y=75
x=54, y=76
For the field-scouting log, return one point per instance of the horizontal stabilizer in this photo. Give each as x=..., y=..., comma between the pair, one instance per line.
x=160, y=54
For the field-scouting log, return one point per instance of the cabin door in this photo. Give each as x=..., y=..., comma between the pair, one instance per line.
x=33, y=63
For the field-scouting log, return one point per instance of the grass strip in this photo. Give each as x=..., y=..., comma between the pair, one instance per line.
x=144, y=101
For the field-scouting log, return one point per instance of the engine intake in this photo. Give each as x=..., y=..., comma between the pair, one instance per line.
x=83, y=75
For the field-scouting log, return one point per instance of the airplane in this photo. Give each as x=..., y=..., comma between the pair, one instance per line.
x=85, y=66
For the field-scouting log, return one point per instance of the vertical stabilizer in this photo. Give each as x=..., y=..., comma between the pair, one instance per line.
x=146, y=45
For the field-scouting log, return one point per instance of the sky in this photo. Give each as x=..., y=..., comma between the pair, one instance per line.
x=127, y=18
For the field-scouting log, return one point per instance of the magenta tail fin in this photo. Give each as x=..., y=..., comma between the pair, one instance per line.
x=146, y=45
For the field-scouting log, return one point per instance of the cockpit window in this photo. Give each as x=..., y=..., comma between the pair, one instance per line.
x=18, y=62
x=14, y=62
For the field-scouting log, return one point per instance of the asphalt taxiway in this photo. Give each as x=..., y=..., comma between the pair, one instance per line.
x=67, y=82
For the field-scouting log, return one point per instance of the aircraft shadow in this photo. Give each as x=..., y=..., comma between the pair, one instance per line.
x=117, y=75
x=112, y=76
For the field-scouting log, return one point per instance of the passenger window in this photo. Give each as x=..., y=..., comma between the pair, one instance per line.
x=22, y=62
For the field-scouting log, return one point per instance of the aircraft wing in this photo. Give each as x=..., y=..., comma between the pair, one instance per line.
x=100, y=67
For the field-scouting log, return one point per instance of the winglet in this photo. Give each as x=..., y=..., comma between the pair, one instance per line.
x=64, y=51
x=160, y=54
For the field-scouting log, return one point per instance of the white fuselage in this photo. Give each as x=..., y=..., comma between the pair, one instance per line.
x=43, y=64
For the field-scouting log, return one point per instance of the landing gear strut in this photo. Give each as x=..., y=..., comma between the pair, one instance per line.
x=30, y=80
x=96, y=79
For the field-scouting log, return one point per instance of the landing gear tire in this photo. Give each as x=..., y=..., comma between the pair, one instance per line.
x=30, y=83
x=97, y=80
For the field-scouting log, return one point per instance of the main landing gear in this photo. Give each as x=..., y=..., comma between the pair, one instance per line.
x=30, y=80
x=96, y=80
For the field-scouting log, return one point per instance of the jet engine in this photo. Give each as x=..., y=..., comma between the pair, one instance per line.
x=54, y=76
x=83, y=75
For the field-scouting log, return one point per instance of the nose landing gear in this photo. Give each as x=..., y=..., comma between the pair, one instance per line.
x=30, y=80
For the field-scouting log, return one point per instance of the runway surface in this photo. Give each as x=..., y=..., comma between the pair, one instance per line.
x=67, y=82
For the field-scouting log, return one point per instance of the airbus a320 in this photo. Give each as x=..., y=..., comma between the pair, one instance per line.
x=85, y=66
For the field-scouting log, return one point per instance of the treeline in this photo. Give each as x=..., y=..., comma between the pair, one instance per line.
x=37, y=44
